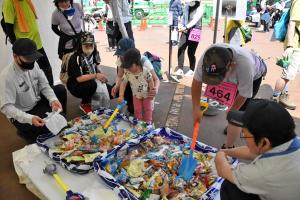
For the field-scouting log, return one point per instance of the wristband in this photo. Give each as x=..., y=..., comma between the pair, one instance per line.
x=289, y=47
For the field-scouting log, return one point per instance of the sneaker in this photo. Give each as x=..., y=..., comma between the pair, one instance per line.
x=179, y=72
x=275, y=99
x=284, y=100
x=189, y=73
x=86, y=108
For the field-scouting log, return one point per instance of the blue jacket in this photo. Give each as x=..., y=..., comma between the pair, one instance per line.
x=176, y=8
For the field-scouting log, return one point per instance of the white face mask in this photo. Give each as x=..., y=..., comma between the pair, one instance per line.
x=192, y=3
x=88, y=52
x=63, y=9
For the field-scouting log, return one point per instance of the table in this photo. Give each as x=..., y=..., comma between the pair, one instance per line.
x=29, y=163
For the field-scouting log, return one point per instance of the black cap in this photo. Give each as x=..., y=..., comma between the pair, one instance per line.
x=87, y=38
x=27, y=48
x=215, y=64
x=263, y=115
x=123, y=45
x=131, y=56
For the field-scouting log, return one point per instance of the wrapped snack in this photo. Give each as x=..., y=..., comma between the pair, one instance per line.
x=88, y=158
x=122, y=177
x=137, y=193
x=136, y=168
x=74, y=159
x=198, y=191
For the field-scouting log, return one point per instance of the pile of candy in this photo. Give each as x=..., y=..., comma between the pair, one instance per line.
x=149, y=170
x=86, y=138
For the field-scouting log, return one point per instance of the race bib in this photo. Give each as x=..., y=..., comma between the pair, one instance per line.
x=195, y=35
x=224, y=93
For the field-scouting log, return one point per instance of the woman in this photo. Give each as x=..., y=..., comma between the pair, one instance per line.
x=67, y=24
x=192, y=19
x=84, y=73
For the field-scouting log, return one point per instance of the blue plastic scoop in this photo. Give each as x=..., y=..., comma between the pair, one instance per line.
x=189, y=163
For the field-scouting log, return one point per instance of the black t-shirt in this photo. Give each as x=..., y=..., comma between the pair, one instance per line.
x=80, y=65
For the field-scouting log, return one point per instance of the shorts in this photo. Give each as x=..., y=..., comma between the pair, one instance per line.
x=294, y=67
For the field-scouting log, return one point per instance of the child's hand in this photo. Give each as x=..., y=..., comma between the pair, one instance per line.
x=120, y=99
x=152, y=92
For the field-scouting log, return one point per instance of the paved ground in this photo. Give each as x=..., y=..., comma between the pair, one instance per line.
x=172, y=104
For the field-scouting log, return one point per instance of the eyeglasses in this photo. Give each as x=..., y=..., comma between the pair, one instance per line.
x=242, y=135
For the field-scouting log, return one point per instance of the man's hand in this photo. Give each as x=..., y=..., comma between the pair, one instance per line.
x=197, y=114
x=114, y=91
x=287, y=53
x=152, y=93
x=101, y=77
x=37, y=121
x=55, y=105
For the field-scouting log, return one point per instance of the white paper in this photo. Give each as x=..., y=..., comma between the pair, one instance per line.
x=174, y=35
x=55, y=122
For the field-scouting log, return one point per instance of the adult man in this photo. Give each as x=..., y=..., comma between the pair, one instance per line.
x=229, y=63
x=124, y=45
x=120, y=10
x=20, y=20
x=274, y=152
x=292, y=52
x=25, y=94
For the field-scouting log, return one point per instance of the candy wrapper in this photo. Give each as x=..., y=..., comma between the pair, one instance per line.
x=76, y=146
x=149, y=168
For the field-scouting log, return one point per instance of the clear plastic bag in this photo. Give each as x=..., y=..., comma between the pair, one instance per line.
x=101, y=96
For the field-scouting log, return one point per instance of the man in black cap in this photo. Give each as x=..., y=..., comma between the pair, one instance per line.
x=25, y=94
x=240, y=67
x=274, y=152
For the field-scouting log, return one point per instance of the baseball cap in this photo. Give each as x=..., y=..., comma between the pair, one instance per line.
x=131, y=56
x=27, y=48
x=87, y=38
x=215, y=64
x=262, y=115
x=123, y=45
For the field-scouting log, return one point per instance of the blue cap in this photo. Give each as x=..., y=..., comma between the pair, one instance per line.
x=123, y=45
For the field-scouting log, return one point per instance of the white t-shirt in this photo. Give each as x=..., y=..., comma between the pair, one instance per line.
x=138, y=82
x=248, y=67
x=272, y=178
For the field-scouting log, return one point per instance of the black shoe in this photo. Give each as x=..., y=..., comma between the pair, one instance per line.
x=225, y=131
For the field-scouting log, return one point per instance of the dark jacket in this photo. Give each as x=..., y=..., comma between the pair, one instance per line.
x=176, y=8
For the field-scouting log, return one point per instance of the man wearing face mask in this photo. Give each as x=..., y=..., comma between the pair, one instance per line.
x=83, y=71
x=25, y=94
x=20, y=21
x=122, y=18
x=66, y=23
x=240, y=67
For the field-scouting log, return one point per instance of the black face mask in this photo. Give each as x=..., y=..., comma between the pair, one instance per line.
x=27, y=65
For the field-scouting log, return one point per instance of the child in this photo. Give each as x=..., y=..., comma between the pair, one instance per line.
x=141, y=83
x=273, y=149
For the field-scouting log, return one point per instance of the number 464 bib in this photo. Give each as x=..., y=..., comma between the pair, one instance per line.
x=224, y=93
